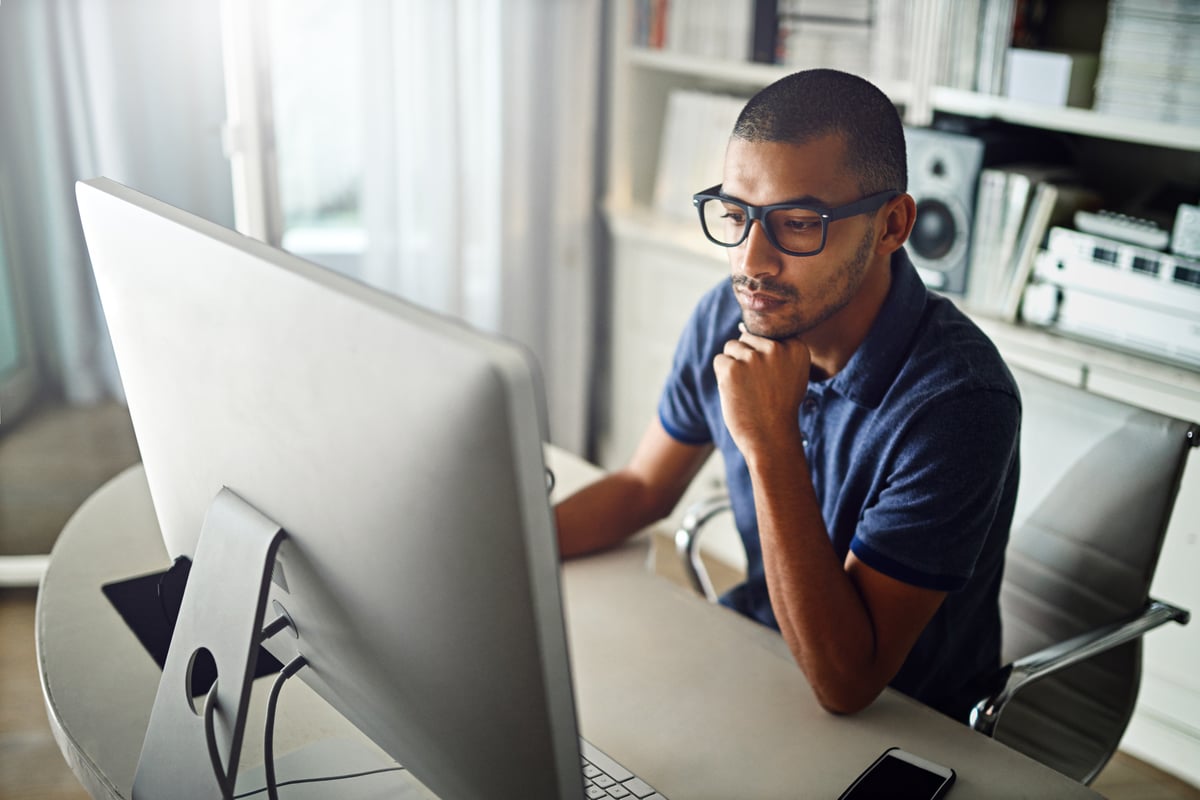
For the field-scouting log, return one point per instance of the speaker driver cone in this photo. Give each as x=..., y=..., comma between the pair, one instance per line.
x=934, y=232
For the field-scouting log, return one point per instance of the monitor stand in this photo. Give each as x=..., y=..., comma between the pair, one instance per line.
x=192, y=746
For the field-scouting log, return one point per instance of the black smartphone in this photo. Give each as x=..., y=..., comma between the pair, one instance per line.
x=900, y=775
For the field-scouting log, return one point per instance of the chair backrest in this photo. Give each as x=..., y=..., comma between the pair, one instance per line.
x=1098, y=481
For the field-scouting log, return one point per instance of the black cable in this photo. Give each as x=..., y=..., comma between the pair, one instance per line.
x=210, y=737
x=321, y=779
x=290, y=669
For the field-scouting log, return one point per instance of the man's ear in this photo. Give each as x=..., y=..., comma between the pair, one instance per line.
x=900, y=214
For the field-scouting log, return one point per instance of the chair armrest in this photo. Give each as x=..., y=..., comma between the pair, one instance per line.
x=687, y=542
x=1049, y=660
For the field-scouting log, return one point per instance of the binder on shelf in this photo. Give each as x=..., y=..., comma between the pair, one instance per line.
x=765, y=29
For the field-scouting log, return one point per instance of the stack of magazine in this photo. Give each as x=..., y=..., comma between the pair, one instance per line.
x=1150, y=61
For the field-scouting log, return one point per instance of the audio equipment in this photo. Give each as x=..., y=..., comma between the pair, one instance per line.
x=1185, y=239
x=943, y=171
x=1118, y=293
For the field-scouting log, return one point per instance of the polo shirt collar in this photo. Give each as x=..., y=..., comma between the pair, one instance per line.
x=873, y=368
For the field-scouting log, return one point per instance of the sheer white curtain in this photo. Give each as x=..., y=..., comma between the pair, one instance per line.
x=480, y=149
x=129, y=89
x=479, y=196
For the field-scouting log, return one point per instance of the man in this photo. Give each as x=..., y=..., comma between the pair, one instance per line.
x=869, y=429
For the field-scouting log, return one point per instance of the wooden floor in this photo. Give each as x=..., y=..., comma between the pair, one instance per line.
x=55, y=459
x=49, y=464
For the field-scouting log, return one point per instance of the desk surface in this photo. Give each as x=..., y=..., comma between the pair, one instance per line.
x=702, y=703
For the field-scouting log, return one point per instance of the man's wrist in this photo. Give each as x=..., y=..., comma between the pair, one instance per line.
x=785, y=451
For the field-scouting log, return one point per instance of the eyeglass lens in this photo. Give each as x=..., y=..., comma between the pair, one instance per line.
x=795, y=229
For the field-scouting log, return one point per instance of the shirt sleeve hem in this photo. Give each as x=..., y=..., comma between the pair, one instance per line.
x=678, y=435
x=902, y=572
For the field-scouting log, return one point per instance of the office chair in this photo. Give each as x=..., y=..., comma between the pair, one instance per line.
x=1098, y=481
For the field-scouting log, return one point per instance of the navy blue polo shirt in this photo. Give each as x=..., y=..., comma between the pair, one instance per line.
x=913, y=451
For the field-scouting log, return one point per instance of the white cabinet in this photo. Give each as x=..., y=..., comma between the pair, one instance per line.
x=659, y=267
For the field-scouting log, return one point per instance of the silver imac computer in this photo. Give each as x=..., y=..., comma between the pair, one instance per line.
x=366, y=473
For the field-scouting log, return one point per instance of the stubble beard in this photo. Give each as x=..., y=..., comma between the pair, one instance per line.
x=841, y=289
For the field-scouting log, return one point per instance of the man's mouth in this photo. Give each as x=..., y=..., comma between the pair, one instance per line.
x=759, y=301
x=755, y=295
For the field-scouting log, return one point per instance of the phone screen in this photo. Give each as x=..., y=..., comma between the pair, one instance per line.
x=892, y=778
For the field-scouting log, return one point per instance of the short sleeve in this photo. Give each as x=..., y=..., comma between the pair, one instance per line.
x=689, y=399
x=944, y=489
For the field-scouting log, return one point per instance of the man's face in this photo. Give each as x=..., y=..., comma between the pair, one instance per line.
x=784, y=296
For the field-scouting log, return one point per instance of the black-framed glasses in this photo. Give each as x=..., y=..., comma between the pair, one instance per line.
x=797, y=229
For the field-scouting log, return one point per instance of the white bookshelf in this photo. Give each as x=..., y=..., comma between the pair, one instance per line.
x=1067, y=120
x=736, y=73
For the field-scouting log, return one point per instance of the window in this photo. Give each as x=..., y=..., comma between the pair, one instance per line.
x=296, y=99
x=316, y=66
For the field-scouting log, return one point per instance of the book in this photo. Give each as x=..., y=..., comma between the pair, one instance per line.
x=1052, y=204
x=1002, y=204
x=765, y=28
x=1017, y=191
x=995, y=35
x=985, y=235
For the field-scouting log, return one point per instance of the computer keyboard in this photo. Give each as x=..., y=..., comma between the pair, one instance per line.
x=605, y=779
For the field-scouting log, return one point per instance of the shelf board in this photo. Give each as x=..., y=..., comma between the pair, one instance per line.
x=1084, y=357
x=956, y=101
x=736, y=73
x=1068, y=120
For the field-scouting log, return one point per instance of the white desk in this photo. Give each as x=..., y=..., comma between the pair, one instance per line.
x=702, y=703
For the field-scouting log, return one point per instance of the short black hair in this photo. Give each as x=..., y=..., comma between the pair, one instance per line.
x=814, y=103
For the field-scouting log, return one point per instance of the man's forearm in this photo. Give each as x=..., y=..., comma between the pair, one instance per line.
x=623, y=502
x=604, y=514
x=849, y=626
x=819, y=609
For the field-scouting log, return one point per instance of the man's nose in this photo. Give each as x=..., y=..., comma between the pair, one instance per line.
x=757, y=256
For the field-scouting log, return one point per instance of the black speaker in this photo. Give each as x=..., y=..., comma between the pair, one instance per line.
x=943, y=173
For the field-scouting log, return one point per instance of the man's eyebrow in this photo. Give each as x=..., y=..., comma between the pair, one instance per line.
x=806, y=200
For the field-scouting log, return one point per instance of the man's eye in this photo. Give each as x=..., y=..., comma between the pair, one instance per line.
x=736, y=217
x=796, y=221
